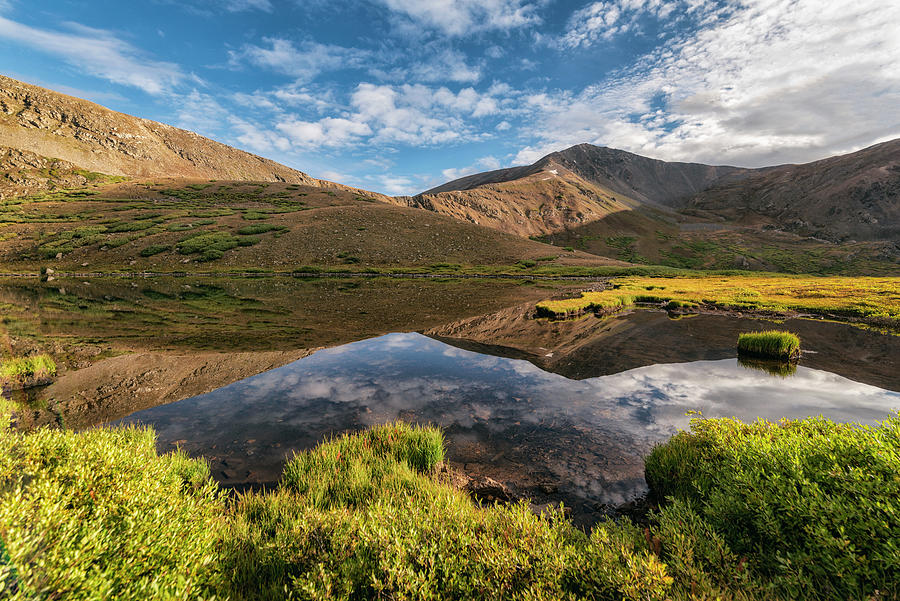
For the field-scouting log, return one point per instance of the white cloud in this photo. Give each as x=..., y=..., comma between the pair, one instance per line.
x=610, y=18
x=326, y=132
x=463, y=17
x=99, y=53
x=772, y=81
x=303, y=62
x=397, y=185
x=242, y=5
x=488, y=163
x=448, y=65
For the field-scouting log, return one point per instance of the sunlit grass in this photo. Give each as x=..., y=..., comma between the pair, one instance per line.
x=20, y=369
x=864, y=297
x=770, y=344
x=796, y=510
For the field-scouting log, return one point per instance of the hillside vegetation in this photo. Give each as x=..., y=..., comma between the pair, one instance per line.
x=796, y=510
x=182, y=225
x=874, y=299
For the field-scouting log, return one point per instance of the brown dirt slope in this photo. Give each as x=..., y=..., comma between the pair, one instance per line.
x=51, y=124
x=549, y=199
x=169, y=225
x=91, y=137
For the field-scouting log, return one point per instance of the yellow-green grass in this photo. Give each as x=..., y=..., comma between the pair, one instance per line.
x=864, y=297
x=804, y=509
x=21, y=369
x=797, y=510
x=769, y=344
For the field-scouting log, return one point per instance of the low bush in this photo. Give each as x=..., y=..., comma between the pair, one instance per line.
x=154, y=249
x=361, y=517
x=260, y=228
x=99, y=515
x=21, y=369
x=209, y=246
x=809, y=509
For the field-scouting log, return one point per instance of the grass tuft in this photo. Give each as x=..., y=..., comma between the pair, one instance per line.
x=20, y=370
x=770, y=344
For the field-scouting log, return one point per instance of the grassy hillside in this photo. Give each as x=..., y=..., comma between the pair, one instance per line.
x=179, y=225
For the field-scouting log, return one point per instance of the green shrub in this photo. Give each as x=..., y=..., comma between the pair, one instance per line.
x=259, y=228
x=210, y=245
x=771, y=344
x=154, y=249
x=99, y=515
x=21, y=369
x=359, y=517
x=810, y=509
x=128, y=226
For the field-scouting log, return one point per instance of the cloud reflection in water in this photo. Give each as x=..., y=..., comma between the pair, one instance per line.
x=501, y=416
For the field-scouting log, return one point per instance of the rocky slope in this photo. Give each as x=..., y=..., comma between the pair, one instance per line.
x=850, y=196
x=40, y=128
x=623, y=173
x=853, y=196
x=617, y=204
x=547, y=199
x=571, y=188
x=93, y=137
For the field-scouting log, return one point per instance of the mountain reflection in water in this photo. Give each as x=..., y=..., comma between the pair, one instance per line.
x=549, y=437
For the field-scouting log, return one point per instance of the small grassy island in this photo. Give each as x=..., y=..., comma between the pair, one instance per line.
x=770, y=344
x=792, y=510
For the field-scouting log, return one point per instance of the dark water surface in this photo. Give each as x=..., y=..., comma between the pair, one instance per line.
x=548, y=436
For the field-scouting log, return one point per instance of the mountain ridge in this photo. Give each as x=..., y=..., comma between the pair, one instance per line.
x=53, y=126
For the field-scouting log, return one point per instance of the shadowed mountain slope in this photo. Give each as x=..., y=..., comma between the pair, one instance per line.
x=855, y=195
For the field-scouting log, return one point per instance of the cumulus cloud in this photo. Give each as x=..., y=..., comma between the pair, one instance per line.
x=326, y=132
x=395, y=185
x=303, y=61
x=99, y=53
x=770, y=81
x=462, y=17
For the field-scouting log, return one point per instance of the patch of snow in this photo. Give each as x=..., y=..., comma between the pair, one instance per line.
x=554, y=172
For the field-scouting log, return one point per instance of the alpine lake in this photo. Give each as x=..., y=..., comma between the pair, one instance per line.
x=245, y=372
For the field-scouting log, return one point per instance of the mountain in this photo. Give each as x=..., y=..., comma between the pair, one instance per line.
x=615, y=203
x=631, y=175
x=98, y=139
x=571, y=188
x=104, y=190
x=50, y=140
x=854, y=196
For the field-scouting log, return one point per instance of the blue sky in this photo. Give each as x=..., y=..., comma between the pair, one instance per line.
x=397, y=96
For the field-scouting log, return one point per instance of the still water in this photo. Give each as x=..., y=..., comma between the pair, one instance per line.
x=547, y=436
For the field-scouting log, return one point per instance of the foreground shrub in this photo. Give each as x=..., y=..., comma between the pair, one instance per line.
x=360, y=518
x=19, y=370
x=810, y=509
x=770, y=344
x=99, y=515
